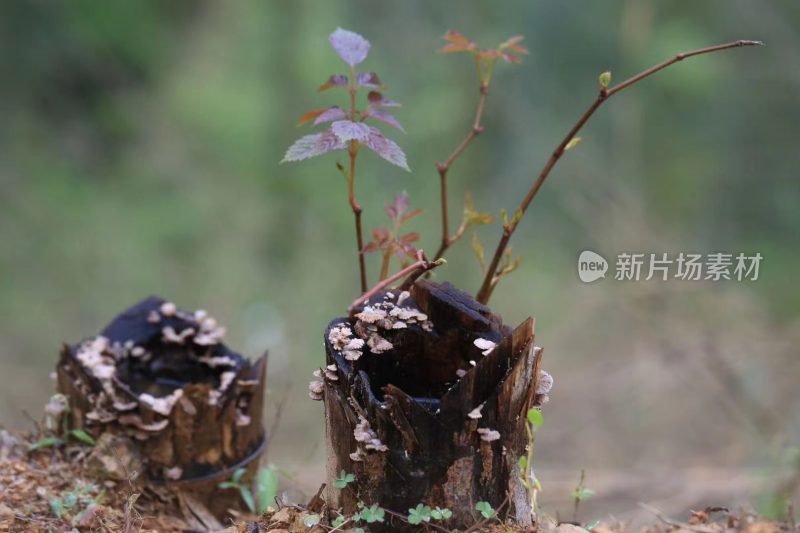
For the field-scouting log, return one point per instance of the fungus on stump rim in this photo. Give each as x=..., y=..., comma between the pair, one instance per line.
x=161, y=377
x=438, y=415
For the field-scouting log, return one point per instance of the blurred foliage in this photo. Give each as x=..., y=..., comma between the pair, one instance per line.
x=139, y=151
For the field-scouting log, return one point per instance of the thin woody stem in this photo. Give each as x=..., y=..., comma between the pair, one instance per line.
x=485, y=290
x=356, y=207
x=443, y=168
x=352, y=151
x=422, y=265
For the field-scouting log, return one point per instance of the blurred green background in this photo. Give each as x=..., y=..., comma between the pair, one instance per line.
x=139, y=149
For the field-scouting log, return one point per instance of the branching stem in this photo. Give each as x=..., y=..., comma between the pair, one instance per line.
x=443, y=169
x=485, y=291
x=421, y=266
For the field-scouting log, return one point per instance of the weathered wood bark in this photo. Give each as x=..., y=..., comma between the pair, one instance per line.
x=161, y=377
x=405, y=420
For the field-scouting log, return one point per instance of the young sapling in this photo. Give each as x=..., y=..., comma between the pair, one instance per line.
x=348, y=130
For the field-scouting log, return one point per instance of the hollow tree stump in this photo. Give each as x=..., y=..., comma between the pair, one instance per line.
x=425, y=399
x=161, y=377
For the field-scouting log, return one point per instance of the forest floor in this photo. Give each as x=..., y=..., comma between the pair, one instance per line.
x=57, y=489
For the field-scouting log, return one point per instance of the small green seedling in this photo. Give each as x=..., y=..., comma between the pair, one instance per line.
x=534, y=420
x=441, y=514
x=77, y=503
x=580, y=493
x=57, y=418
x=344, y=479
x=485, y=508
x=371, y=514
x=266, y=488
x=421, y=513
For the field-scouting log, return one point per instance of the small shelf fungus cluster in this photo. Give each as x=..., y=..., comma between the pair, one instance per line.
x=426, y=393
x=160, y=378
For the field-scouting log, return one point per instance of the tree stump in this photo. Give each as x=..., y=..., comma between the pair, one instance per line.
x=161, y=377
x=425, y=397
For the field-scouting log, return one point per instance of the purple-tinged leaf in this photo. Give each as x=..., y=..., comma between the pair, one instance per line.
x=330, y=114
x=398, y=207
x=386, y=148
x=347, y=130
x=313, y=145
x=336, y=80
x=376, y=99
x=350, y=46
x=384, y=117
x=369, y=80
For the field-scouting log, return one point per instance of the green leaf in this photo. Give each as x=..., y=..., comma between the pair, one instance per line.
x=247, y=497
x=44, y=443
x=56, y=507
x=237, y=475
x=338, y=521
x=266, y=487
x=582, y=494
x=343, y=480
x=523, y=463
x=535, y=417
x=441, y=514
x=82, y=436
x=311, y=520
x=590, y=526
x=604, y=79
x=421, y=513
x=372, y=514
x=485, y=508
x=227, y=485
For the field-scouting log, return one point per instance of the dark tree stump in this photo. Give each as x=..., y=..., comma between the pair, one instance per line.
x=405, y=420
x=161, y=377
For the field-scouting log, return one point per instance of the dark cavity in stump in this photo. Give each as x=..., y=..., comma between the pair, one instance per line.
x=425, y=400
x=161, y=377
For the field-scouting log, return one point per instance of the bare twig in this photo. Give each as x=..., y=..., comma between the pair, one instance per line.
x=422, y=265
x=485, y=291
x=443, y=168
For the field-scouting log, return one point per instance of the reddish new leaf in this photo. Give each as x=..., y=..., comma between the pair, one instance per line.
x=347, y=130
x=308, y=116
x=350, y=46
x=457, y=42
x=376, y=99
x=336, y=80
x=510, y=58
x=411, y=215
x=369, y=80
x=455, y=37
x=384, y=117
x=386, y=148
x=313, y=145
x=512, y=43
x=330, y=114
x=398, y=207
x=381, y=235
x=410, y=237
